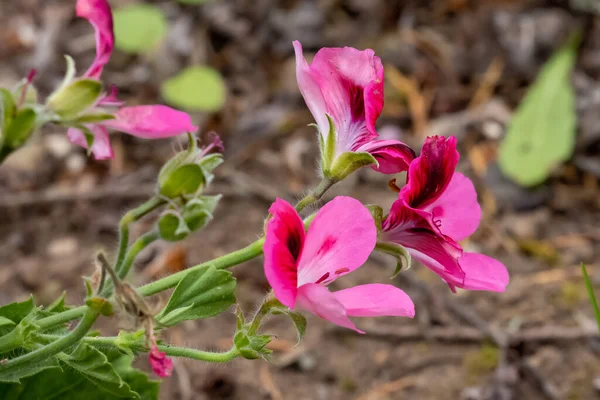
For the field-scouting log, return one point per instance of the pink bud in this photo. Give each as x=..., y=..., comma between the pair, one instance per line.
x=160, y=363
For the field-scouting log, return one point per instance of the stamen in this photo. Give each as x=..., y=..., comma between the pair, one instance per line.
x=323, y=278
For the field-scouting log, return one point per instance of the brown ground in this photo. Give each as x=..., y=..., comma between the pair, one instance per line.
x=57, y=208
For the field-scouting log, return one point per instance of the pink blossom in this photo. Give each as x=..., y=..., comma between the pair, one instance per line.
x=347, y=84
x=436, y=208
x=160, y=363
x=148, y=122
x=300, y=265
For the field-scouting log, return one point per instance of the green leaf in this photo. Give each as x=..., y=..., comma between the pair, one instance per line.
x=202, y=293
x=79, y=95
x=19, y=335
x=196, y=88
x=20, y=129
x=69, y=384
x=541, y=133
x=590, y=289
x=58, y=305
x=186, y=179
x=18, y=310
x=348, y=162
x=14, y=375
x=399, y=252
x=94, y=365
x=6, y=322
x=139, y=28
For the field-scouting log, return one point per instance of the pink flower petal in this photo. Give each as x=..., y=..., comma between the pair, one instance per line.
x=310, y=90
x=411, y=230
x=350, y=83
x=483, y=273
x=456, y=212
x=101, y=147
x=375, y=300
x=160, y=363
x=320, y=301
x=339, y=240
x=393, y=156
x=283, y=245
x=151, y=122
x=98, y=13
x=430, y=173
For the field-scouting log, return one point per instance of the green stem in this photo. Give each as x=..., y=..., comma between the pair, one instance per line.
x=315, y=195
x=199, y=354
x=53, y=348
x=129, y=218
x=169, y=350
x=228, y=260
x=140, y=244
x=62, y=317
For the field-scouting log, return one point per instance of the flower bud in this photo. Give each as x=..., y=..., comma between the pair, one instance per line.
x=195, y=215
x=72, y=99
x=188, y=172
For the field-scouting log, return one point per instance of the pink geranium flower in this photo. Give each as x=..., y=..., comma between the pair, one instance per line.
x=437, y=208
x=346, y=84
x=300, y=265
x=148, y=122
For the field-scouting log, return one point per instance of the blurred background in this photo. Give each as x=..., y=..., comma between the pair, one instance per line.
x=453, y=67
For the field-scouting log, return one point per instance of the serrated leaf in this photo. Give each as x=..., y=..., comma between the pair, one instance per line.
x=70, y=384
x=18, y=336
x=196, y=88
x=15, y=312
x=15, y=374
x=94, y=365
x=403, y=258
x=202, y=293
x=541, y=133
x=139, y=28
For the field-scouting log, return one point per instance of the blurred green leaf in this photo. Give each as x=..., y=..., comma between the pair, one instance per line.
x=542, y=131
x=139, y=28
x=590, y=290
x=201, y=294
x=195, y=88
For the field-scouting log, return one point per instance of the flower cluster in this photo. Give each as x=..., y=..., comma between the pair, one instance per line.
x=343, y=88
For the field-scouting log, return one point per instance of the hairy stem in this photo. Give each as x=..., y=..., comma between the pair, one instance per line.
x=315, y=195
x=53, y=348
x=129, y=218
x=229, y=260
